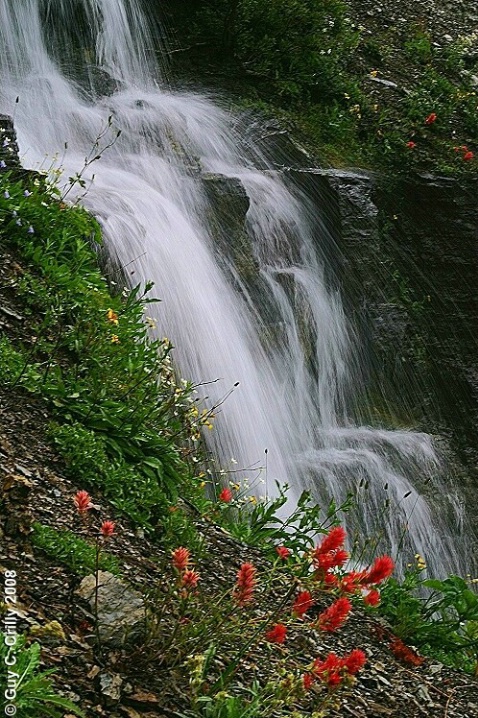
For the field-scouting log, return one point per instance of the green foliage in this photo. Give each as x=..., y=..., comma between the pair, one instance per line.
x=72, y=550
x=125, y=421
x=419, y=47
x=440, y=617
x=305, y=61
x=91, y=456
x=224, y=705
x=261, y=523
x=35, y=694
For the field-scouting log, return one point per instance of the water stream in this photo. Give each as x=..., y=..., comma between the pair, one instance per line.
x=75, y=63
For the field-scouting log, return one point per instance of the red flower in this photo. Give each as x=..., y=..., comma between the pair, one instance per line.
x=330, y=580
x=283, y=552
x=334, y=669
x=468, y=156
x=404, y=653
x=355, y=661
x=277, y=633
x=190, y=579
x=107, y=528
x=180, y=558
x=335, y=539
x=352, y=581
x=335, y=616
x=382, y=568
x=82, y=501
x=302, y=604
x=307, y=680
x=245, y=584
x=329, y=671
x=225, y=495
x=430, y=119
x=330, y=552
x=372, y=598
x=411, y=145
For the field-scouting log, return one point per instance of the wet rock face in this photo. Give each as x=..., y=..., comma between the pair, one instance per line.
x=434, y=246
x=227, y=209
x=408, y=269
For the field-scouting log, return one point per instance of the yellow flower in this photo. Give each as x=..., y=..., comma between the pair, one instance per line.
x=111, y=316
x=373, y=73
x=115, y=339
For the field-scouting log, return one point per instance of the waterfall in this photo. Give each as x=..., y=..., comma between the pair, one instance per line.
x=75, y=63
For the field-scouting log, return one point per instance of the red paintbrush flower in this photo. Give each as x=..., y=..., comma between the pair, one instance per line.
x=355, y=661
x=468, y=156
x=335, y=616
x=352, y=581
x=225, y=495
x=302, y=604
x=107, y=528
x=307, y=680
x=335, y=539
x=381, y=569
x=190, y=579
x=431, y=118
x=283, y=552
x=277, y=633
x=372, y=598
x=180, y=558
x=245, y=584
x=404, y=653
x=330, y=579
x=330, y=670
x=82, y=501
x=411, y=145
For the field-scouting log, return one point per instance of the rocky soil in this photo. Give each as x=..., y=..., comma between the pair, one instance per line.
x=446, y=20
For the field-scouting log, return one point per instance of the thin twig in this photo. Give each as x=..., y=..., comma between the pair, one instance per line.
x=448, y=703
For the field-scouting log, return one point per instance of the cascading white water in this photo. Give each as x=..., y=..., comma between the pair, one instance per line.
x=149, y=195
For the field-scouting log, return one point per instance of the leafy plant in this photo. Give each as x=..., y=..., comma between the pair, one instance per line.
x=91, y=357
x=261, y=522
x=440, y=617
x=212, y=632
x=72, y=550
x=36, y=696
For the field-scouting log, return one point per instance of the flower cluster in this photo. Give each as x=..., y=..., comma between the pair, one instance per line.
x=302, y=604
x=467, y=155
x=82, y=501
x=335, y=670
x=277, y=633
x=330, y=553
x=180, y=558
